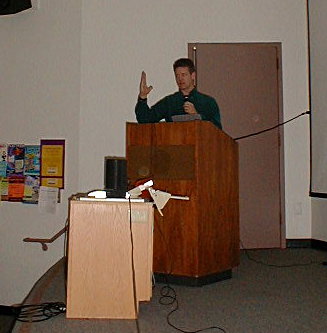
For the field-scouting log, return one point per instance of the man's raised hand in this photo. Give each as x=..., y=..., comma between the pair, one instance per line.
x=144, y=89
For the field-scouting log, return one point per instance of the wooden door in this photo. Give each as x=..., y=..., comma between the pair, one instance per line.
x=245, y=79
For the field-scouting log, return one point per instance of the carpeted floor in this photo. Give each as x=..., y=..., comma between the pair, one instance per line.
x=258, y=299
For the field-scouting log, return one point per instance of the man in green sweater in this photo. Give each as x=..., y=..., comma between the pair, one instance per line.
x=187, y=100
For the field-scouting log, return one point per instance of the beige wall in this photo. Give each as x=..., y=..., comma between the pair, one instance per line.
x=39, y=98
x=318, y=52
x=74, y=67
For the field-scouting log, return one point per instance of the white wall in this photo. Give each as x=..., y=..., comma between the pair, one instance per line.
x=39, y=98
x=119, y=39
x=122, y=38
x=318, y=52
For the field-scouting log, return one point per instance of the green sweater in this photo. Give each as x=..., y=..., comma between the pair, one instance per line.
x=172, y=105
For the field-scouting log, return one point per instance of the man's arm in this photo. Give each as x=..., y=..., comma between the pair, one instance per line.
x=212, y=113
x=145, y=114
x=215, y=114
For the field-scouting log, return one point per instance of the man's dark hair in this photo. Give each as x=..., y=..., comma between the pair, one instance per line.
x=184, y=62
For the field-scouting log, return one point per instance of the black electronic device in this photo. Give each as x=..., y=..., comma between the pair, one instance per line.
x=115, y=177
x=8, y=7
x=185, y=117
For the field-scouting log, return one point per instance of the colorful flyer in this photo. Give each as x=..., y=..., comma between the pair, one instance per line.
x=4, y=188
x=31, y=189
x=15, y=160
x=32, y=160
x=52, y=182
x=52, y=162
x=15, y=188
x=3, y=159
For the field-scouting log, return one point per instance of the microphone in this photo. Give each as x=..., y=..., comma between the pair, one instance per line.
x=186, y=99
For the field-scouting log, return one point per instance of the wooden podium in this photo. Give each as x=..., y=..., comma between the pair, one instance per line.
x=196, y=242
x=102, y=279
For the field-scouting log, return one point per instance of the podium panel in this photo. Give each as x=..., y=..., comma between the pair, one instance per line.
x=199, y=238
x=101, y=273
x=162, y=161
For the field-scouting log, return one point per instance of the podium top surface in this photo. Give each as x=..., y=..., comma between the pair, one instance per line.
x=113, y=200
x=91, y=198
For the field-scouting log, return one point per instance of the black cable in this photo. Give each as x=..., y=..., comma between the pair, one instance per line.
x=66, y=236
x=33, y=313
x=168, y=296
x=246, y=251
x=65, y=253
x=133, y=265
x=273, y=127
x=174, y=301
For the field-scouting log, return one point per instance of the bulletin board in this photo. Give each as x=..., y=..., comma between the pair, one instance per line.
x=24, y=168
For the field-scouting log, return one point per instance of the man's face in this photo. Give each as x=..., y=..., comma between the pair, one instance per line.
x=184, y=79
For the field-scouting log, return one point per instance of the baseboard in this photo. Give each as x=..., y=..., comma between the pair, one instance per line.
x=299, y=243
x=192, y=281
x=319, y=245
x=306, y=243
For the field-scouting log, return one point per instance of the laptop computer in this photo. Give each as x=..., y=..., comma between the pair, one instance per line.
x=185, y=117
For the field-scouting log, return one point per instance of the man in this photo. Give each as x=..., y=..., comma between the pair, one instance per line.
x=187, y=100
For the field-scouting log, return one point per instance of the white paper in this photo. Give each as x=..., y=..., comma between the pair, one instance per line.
x=48, y=199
